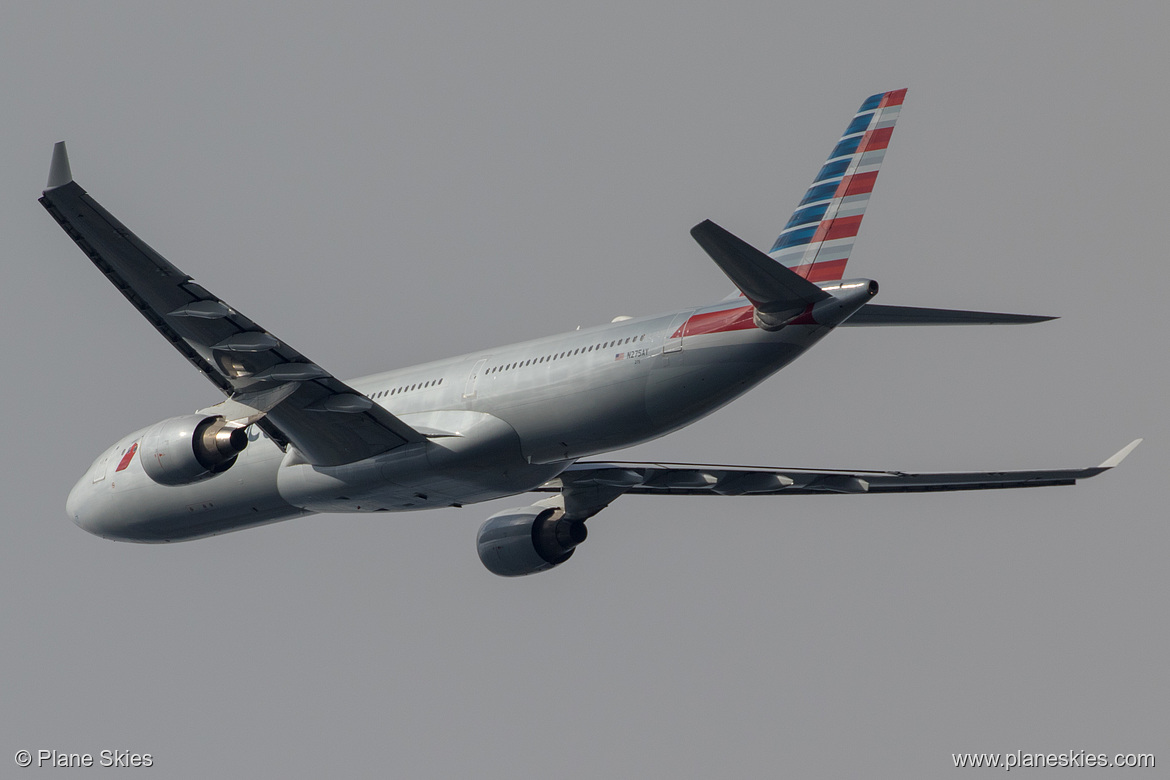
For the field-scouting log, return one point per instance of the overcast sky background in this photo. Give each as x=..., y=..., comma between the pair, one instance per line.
x=389, y=184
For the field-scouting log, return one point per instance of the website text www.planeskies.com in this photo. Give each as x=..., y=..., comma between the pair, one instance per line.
x=1069, y=758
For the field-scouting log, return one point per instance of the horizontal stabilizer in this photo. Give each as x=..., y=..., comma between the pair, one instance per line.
x=771, y=287
x=873, y=314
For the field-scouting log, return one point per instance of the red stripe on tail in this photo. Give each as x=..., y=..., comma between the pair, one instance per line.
x=894, y=98
x=824, y=271
x=876, y=139
x=859, y=184
x=844, y=227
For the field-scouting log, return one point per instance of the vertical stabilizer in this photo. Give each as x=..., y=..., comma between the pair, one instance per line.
x=819, y=237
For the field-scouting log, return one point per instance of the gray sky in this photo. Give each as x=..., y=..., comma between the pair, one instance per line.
x=384, y=185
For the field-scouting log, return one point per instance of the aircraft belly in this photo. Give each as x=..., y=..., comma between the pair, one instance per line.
x=615, y=406
x=713, y=370
x=479, y=461
x=582, y=415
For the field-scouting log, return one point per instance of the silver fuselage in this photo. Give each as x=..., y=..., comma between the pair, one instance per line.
x=498, y=422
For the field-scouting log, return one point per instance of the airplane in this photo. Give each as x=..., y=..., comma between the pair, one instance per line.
x=290, y=439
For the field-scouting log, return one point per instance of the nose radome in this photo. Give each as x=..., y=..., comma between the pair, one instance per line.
x=89, y=512
x=75, y=502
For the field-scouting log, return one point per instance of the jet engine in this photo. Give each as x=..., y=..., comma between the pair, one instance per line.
x=527, y=540
x=186, y=449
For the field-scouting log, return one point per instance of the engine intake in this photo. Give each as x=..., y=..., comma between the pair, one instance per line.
x=186, y=449
x=528, y=540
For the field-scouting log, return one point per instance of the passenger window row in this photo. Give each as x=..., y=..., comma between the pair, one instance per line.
x=407, y=388
x=567, y=353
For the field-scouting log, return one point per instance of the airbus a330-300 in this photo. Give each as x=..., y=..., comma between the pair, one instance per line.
x=291, y=439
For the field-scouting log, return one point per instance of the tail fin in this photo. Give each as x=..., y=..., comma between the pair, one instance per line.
x=819, y=236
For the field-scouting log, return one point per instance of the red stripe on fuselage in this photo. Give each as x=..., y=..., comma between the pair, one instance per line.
x=717, y=322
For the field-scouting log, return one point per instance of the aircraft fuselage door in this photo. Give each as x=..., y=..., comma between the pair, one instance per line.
x=99, y=470
x=469, y=390
x=674, y=334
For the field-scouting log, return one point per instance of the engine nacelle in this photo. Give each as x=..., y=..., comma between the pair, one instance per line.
x=527, y=540
x=186, y=449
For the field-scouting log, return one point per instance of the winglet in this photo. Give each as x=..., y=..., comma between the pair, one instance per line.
x=1120, y=454
x=59, y=173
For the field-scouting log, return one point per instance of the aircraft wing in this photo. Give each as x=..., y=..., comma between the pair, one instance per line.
x=268, y=382
x=588, y=486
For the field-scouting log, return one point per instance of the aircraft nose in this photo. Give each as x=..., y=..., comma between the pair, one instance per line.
x=84, y=508
x=75, y=502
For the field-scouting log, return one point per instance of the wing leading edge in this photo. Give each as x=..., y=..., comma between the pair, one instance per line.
x=268, y=382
